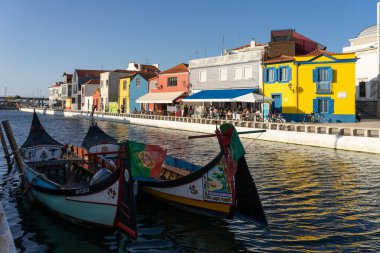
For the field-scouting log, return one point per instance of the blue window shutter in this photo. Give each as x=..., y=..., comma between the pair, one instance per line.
x=266, y=75
x=331, y=105
x=289, y=74
x=275, y=74
x=330, y=73
x=315, y=105
x=315, y=75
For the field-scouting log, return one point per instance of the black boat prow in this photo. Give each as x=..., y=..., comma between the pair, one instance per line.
x=96, y=136
x=38, y=135
x=248, y=203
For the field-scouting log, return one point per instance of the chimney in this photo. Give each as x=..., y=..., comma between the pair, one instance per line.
x=253, y=43
x=133, y=66
x=156, y=65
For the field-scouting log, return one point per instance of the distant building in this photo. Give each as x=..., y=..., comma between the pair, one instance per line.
x=109, y=87
x=365, y=47
x=80, y=77
x=319, y=82
x=168, y=88
x=55, y=94
x=289, y=42
x=87, y=91
x=66, y=87
x=96, y=99
x=133, y=87
x=237, y=69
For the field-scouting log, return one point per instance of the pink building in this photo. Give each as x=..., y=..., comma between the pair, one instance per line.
x=168, y=88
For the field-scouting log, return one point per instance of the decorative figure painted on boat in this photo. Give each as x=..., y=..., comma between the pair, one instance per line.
x=193, y=189
x=104, y=149
x=111, y=193
x=216, y=186
x=43, y=155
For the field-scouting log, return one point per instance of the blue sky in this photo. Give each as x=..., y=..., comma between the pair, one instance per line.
x=41, y=39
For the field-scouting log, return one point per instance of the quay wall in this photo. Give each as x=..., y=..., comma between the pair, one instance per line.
x=325, y=136
x=6, y=239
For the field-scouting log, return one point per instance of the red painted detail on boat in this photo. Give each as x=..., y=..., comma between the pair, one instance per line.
x=127, y=230
x=125, y=205
x=125, y=213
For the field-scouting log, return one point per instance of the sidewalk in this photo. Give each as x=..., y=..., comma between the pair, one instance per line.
x=364, y=123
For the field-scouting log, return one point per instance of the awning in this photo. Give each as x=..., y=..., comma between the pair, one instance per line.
x=159, y=98
x=252, y=98
x=219, y=95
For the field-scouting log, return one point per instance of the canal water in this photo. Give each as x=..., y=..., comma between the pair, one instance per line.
x=316, y=200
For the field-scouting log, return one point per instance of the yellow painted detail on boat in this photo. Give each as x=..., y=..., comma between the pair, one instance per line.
x=220, y=207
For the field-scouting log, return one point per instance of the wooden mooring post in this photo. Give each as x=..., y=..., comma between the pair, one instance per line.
x=14, y=147
x=5, y=148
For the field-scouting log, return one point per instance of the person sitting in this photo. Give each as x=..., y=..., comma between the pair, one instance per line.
x=229, y=114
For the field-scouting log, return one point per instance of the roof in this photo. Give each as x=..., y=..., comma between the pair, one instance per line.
x=92, y=81
x=159, y=97
x=96, y=136
x=89, y=72
x=218, y=95
x=369, y=31
x=280, y=58
x=180, y=68
x=149, y=68
x=248, y=45
x=38, y=136
x=320, y=51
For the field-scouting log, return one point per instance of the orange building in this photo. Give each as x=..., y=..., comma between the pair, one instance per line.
x=96, y=99
x=168, y=88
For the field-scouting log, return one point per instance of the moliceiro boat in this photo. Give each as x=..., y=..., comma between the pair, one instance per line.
x=80, y=186
x=222, y=188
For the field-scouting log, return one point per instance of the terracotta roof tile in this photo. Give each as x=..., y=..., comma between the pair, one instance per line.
x=280, y=58
x=182, y=67
x=320, y=51
x=89, y=72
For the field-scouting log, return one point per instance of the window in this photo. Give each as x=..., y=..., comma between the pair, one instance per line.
x=248, y=74
x=124, y=84
x=324, y=74
x=223, y=74
x=238, y=73
x=203, y=76
x=270, y=75
x=138, y=82
x=172, y=81
x=107, y=82
x=362, y=92
x=284, y=74
x=323, y=105
x=323, y=88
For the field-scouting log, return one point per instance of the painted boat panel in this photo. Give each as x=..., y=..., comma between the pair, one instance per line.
x=85, y=211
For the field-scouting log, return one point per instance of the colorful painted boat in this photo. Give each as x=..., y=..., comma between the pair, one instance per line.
x=80, y=186
x=222, y=188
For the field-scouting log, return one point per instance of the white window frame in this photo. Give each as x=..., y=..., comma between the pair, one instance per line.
x=248, y=72
x=203, y=76
x=223, y=75
x=238, y=73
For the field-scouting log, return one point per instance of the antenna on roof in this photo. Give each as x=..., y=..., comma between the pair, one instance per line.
x=101, y=67
x=223, y=44
x=147, y=61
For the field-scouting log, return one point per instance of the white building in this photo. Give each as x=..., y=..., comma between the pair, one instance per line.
x=55, y=94
x=87, y=91
x=216, y=80
x=366, y=49
x=109, y=87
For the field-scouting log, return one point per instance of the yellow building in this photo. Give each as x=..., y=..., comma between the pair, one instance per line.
x=124, y=94
x=321, y=82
